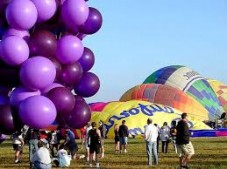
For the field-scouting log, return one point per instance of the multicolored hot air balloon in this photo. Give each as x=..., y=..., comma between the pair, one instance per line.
x=221, y=91
x=136, y=114
x=191, y=83
x=167, y=95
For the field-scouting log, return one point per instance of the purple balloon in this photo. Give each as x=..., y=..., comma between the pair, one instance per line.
x=21, y=93
x=81, y=36
x=74, y=12
x=71, y=74
x=93, y=22
x=87, y=59
x=37, y=112
x=42, y=43
x=14, y=32
x=46, y=9
x=37, y=73
x=80, y=115
x=52, y=86
x=4, y=99
x=88, y=85
x=14, y=50
x=9, y=121
x=69, y=49
x=62, y=98
x=21, y=14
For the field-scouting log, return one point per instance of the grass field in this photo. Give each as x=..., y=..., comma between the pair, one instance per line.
x=210, y=153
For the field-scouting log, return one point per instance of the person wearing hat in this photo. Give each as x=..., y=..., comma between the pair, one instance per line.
x=41, y=158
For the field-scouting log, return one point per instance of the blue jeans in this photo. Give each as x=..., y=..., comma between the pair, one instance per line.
x=151, y=148
x=39, y=165
x=33, y=147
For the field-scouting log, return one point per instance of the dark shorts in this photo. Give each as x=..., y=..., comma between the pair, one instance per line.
x=117, y=139
x=123, y=140
x=95, y=148
x=17, y=147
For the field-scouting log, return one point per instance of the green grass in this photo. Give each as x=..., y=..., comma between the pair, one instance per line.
x=210, y=153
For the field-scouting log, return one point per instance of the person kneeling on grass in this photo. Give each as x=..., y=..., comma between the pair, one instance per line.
x=41, y=158
x=63, y=159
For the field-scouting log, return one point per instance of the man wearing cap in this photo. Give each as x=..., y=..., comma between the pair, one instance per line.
x=150, y=136
x=185, y=148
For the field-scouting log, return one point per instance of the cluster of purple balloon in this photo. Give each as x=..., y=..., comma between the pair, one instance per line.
x=42, y=60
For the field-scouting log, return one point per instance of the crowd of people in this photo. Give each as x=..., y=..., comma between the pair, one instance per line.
x=59, y=147
x=178, y=134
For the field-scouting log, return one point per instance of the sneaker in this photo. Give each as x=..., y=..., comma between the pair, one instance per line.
x=125, y=151
x=90, y=165
x=16, y=161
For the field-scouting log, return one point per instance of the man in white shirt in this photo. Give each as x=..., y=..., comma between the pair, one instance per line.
x=150, y=136
x=41, y=159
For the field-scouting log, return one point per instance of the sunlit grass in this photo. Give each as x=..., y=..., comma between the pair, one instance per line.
x=210, y=153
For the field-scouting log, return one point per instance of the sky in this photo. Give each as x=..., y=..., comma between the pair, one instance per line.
x=139, y=37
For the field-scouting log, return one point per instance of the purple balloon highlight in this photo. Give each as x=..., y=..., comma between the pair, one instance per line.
x=37, y=112
x=52, y=86
x=69, y=49
x=21, y=14
x=37, y=73
x=93, y=22
x=14, y=50
x=21, y=93
x=46, y=9
x=88, y=85
x=87, y=59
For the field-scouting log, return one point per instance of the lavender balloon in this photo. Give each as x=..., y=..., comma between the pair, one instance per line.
x=14, y=50
x=21, y=14
x=14, y=32
x=46, y=9
x=80, y=115
x=88, y=85
x=69, y=49
x=74, y=12
x=87, y=59
x=21, y=93
x=37, y=73
x=71, y=74
x=37, y=112
x=93, y=22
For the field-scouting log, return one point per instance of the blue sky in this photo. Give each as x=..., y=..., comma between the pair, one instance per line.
x=139, y=37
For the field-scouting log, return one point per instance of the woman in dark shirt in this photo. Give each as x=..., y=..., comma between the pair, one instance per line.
x=116, y=138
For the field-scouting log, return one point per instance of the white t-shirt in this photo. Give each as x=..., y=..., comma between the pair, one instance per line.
x=42, y=155
x=63, y=158
x=17, y=139
x=151, y=133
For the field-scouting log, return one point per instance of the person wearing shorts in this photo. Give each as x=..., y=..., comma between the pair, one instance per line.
x=185, y=148
x=94, y=143
x=123, y=136
x=18, y=144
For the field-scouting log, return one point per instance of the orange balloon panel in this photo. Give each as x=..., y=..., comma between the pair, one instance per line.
x=167, y=95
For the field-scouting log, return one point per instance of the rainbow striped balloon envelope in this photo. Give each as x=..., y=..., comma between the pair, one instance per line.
x=167, y=95
x=190, y=82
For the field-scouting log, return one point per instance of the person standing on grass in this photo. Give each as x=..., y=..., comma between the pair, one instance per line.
x=123, y=135
x=94, y=144
x=185, y=148
x=86, y=140
x=116, y=138
x=18, y=143
x=150, y=136
x=102, y=129
x=70, y=143
x=173, y=134
x=164, y=136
